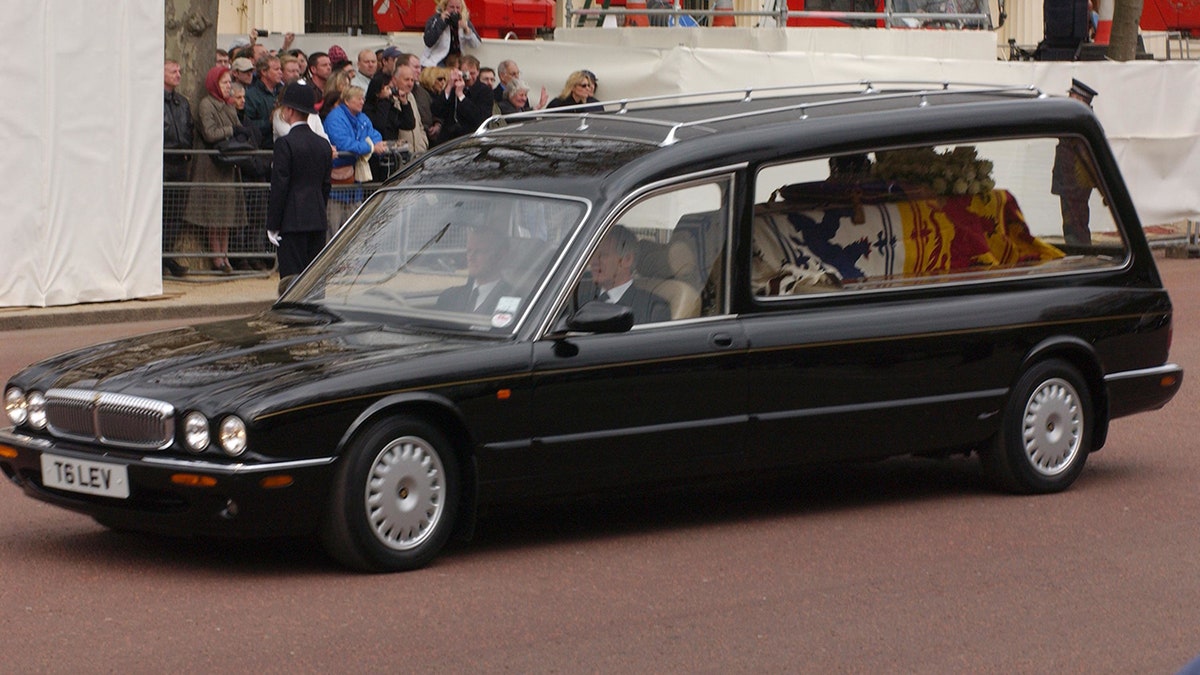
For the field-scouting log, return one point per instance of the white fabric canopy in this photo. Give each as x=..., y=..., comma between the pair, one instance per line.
x=82, y=179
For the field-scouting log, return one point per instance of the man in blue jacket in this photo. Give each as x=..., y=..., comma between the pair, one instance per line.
x=300, y=185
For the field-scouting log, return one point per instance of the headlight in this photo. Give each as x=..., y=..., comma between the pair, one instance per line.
x=15, y=406
x=35, y=405
x=195, y=431
x=233, y=436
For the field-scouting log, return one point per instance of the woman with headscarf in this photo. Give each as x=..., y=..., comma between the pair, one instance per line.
x=217, y=209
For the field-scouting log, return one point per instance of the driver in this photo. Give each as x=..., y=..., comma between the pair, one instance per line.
x=486, y=249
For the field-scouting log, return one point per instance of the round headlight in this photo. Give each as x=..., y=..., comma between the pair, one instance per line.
x=195, y=431
x=233, y=436
x=35, y=405
x=16, y=406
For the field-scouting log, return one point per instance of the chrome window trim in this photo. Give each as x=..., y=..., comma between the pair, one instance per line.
x=915, y=283
x=564, y=246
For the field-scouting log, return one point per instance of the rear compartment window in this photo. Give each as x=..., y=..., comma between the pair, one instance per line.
x=931, y=214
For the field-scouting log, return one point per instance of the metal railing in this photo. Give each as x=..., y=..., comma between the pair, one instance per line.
x=189, y=209
x=889, y=18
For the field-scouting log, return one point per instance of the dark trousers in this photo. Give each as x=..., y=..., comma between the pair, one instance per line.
x=1076, y=217
x=174, y=200
x=297, y=250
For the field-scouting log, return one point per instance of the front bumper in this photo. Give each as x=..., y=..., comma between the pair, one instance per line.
x=179, y=496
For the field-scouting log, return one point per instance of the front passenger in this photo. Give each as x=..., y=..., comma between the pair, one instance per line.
x=612, y=265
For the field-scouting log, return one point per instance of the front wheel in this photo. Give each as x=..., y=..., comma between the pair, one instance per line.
x=1046, y=432
x=395, y=498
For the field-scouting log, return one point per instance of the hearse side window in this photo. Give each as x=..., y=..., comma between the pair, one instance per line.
x=930, y=214
x=665, y=255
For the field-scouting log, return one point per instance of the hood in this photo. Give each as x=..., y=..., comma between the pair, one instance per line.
x=224, y=362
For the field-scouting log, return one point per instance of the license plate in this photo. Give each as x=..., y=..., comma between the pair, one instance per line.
x=87, y=477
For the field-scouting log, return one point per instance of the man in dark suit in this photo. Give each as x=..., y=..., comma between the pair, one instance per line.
x=1072, y=179
x=299, y=186
x=486, y=249
x=612, y=266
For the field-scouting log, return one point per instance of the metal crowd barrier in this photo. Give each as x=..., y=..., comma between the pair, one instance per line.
x=188, y=204
x=890, y=17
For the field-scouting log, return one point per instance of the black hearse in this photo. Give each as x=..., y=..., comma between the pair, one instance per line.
x=674, y=288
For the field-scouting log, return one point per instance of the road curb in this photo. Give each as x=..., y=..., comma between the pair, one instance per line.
x=78, y=316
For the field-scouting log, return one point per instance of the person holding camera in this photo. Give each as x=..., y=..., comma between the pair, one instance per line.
x=458, y=114
x=448, y=32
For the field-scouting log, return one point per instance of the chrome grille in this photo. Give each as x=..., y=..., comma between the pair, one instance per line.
x=110, y=419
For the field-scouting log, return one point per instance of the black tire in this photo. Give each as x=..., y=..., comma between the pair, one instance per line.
x=1046, y=432
x=395, y=498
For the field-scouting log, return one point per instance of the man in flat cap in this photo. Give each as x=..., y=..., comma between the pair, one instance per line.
x=1073, y=178
x=300, y=185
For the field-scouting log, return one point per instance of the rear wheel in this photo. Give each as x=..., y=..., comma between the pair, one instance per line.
x=395, y=498
x=1046, y=433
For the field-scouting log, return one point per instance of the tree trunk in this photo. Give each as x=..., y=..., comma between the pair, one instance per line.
x=191, y=39
x=1122, y=46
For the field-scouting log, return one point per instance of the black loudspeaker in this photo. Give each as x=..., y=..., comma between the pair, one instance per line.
x=1066, y=23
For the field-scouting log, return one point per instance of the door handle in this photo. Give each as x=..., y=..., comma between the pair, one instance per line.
x=721, y=339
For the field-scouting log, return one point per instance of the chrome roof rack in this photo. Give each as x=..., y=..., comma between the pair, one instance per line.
x=626, y=108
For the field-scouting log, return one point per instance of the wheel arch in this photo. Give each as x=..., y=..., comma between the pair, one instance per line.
x=445, y=415
x=1082, y=355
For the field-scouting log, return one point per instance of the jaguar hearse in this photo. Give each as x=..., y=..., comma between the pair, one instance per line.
x=675, y=288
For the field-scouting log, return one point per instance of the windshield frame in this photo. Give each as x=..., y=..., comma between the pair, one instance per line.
x=298, y=292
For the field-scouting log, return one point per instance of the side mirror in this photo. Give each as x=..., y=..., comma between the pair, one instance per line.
x=601, y=317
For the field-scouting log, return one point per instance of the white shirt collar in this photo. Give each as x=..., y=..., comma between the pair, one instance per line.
x=615, y=293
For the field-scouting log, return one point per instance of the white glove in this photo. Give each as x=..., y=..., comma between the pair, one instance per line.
x=274, y=237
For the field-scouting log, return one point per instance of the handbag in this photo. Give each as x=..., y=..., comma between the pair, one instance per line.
x=238, y=150
x=342, y=175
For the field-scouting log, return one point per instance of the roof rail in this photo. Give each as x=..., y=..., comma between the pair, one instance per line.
x=862, y=88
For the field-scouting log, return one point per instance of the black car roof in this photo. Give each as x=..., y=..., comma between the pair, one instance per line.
x=668, y=119
x=570, y=151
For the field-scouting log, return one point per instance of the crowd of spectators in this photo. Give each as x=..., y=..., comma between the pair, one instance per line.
x=384, y=105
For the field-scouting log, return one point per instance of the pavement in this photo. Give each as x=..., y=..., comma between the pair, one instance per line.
x=211, y=294
x=198, y=295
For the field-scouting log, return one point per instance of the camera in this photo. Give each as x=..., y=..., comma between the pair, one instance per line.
x=454, y=18
x=260, y=32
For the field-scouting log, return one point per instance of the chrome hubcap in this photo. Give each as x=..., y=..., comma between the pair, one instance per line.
x=405, y=493
x=1052, y=427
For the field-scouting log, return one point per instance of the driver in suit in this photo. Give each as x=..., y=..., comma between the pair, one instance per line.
x=612, y=266
x=486, y=249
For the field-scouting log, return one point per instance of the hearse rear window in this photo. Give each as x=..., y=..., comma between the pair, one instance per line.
x=931, y=214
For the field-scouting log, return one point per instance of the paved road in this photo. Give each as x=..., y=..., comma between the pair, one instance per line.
x=900, y=566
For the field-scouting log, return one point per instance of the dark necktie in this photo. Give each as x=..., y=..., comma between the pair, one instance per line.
x=603, y=297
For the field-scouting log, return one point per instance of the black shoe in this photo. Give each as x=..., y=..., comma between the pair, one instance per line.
x=240, y=264
x=175, y=268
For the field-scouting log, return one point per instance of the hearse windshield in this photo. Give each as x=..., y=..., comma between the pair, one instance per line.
x=464, y=259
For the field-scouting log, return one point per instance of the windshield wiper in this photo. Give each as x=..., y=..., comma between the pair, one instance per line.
x=311, y=307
